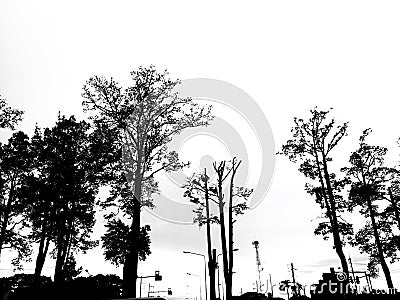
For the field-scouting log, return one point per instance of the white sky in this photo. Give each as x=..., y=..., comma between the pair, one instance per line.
x=288, y=55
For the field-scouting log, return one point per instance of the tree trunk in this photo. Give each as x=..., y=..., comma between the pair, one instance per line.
x=6, y=216
x=212, y=278
x=223, y=240
x=132, y=258
x=59, y=274
x=211, y=257
x=334, y=223
x=230, y=229
x=58, y=271
x=3, y=231
x=130, y=273
x=378, y=244
x=63, y=243
x=42, y=253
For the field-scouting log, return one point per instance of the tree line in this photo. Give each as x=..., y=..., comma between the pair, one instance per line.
x=50, y=181
x=367, y=183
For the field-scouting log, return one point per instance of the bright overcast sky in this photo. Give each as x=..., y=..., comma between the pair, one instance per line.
x=287, y=55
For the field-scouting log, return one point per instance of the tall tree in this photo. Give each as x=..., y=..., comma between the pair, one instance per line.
x=62, y=192
x=10, y=176
x=148, y=114
x=226, y=171
x=312, y=145
x=227, y=197
x=38, y=194
x=15, y=166
x=73, y=172
x=368, y=187
x=197, y=190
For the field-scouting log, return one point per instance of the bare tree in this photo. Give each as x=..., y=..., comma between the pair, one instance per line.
x=197, y=190
x=227, y=197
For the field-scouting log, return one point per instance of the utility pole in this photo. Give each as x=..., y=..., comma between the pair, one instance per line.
x=140, y=288
x=294, y=280
x=272, y=287
x=352, y=272
x=149, y=291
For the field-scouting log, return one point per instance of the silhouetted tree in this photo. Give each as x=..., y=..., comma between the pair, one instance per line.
x=48, y=187
x=370, y=178
x=119, y=207
x=74, y=172
x=148, y=114
x=294, y=288
x=392, y=211
x=15, y=166
x=10, y=205
x=197, y=190
x=62, y=192
x=285, y=285
x=312, y=145
x=71, y=270
x=39, y=194
x=9, y=117
x=200, y=191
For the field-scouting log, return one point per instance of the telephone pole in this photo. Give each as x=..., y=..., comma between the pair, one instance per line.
x=294, y=280
x=272, y=287
x=352, y=272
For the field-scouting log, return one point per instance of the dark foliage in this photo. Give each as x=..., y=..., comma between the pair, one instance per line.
x=9, y=117
x=369, y=180
x=99, y=287
x=117, y=241
x=16, y=164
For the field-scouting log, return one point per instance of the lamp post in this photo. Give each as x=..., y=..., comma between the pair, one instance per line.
x=205, y=269
x=190, y=274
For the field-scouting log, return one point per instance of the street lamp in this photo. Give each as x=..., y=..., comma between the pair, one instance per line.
x=205, y=268
x=190, y=274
